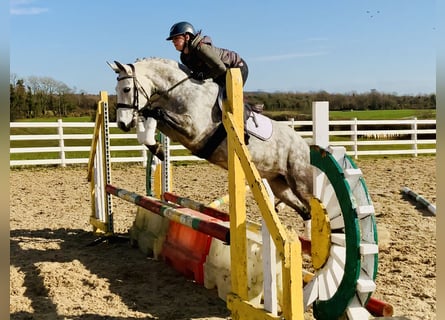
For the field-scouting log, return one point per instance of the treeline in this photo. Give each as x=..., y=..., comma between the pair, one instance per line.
x=373, y=100
x=36, y=97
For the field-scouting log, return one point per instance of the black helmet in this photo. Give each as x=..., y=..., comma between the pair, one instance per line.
x=181, y=28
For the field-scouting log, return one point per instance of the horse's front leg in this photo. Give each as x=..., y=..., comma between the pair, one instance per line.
x=146, y=134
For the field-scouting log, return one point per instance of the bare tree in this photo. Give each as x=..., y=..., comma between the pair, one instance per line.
x=13, y=78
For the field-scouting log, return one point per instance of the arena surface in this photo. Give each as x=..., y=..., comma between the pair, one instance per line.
x=54, y=274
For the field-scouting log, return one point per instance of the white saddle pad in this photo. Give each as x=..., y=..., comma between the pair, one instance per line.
x=259, y=126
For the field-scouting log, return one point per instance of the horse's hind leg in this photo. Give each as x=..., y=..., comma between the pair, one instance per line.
x=282, y=191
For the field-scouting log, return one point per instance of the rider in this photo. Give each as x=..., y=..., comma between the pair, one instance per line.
x=205, y=60
x=202, y=58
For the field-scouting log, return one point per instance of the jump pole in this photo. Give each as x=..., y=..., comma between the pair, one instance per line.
x=421, y=200
x=195, y=205
x=99, y=171
x=185, y=216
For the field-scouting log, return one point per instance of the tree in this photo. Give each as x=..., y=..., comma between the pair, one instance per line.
x=17, y=100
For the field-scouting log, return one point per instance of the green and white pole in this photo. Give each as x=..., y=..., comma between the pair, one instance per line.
x=421, y=200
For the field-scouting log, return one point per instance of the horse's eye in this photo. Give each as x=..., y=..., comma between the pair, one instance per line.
x=127, y=89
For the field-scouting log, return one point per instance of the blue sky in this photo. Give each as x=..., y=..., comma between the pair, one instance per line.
x=298, y=46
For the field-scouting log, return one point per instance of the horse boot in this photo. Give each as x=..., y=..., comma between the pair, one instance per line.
x=157, y=150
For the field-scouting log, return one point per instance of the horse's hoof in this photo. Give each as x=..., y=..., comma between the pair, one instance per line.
x=156, y=149
x=279, y=206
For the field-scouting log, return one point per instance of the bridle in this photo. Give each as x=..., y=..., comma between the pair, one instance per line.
x=137, y=86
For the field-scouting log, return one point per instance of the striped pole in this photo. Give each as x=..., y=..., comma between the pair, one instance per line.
x=218, y=202
x=431, y=208
x=195, y=205
x=185, y=216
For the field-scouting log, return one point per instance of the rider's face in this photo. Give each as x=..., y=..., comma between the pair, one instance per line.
x=179, y=42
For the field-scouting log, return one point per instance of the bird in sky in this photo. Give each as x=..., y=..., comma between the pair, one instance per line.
x=371, y=14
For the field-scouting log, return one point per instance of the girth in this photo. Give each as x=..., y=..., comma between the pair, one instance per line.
x=220, y=132
x=212, y=142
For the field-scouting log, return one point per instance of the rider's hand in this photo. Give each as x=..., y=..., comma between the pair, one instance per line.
x=155, y=113
x=198, y=76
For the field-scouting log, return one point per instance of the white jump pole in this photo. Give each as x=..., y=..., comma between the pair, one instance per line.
x=269, y=263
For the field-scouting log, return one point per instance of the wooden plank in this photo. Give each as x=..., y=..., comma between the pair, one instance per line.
x=237, y=205
x=355, y=311
x=364, y=211
x=365, y=284
x=339, y=239
x=245, y=310
x=368, y=248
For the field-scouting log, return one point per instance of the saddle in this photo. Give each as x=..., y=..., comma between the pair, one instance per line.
x=255, y=123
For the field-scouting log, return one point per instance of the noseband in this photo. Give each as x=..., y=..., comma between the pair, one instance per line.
x=137, y=86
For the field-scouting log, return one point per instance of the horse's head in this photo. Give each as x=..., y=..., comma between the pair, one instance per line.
x=128, y=99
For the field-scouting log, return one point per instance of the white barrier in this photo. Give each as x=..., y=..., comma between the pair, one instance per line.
x=351, y=137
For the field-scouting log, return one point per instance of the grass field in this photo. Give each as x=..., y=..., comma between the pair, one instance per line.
x=360, y=115
x=383, y=114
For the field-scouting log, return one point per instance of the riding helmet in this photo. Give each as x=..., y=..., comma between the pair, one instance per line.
x=182, y=27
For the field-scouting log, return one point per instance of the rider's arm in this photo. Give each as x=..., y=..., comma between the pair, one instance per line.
x=212, y=59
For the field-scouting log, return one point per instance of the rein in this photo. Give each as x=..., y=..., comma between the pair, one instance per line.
x=138, y=86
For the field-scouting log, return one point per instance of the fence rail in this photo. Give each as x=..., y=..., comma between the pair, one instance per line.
x=360, y=137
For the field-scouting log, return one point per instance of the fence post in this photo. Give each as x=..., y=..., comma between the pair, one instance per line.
x=320, y=134
x=61, y=142
x=144, y=157
x=320, y=126
x=292, y=120
x=414, y=136
x=354, y=137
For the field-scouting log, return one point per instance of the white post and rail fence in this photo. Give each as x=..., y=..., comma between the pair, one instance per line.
x=70, y=142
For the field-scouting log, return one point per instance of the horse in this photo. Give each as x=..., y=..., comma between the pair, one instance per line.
x=157, y=93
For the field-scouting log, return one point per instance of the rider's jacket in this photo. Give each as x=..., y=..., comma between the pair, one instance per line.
x=210, y=61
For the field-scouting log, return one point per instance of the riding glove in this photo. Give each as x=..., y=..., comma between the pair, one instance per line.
x=198, y=76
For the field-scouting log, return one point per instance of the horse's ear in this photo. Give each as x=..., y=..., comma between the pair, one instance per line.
x=117, y=66
x=120, y=66
x=114, y=67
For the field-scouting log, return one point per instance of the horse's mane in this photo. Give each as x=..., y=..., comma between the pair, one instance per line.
x=168, y=72
x=157, y=60
x=149, y=59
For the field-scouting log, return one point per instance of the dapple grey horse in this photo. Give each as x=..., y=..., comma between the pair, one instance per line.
x=159, y=93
